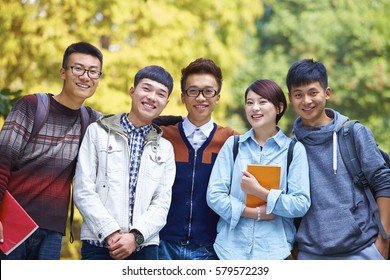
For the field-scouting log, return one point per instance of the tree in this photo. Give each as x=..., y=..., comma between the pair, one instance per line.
x=131, y=35
x=349, y=37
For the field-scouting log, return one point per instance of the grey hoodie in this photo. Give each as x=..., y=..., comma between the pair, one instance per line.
x=339, y=221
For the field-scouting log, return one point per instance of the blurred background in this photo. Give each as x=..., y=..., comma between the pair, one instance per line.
x=248, y=39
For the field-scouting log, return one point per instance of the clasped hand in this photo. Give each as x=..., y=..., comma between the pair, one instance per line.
x=121, y=245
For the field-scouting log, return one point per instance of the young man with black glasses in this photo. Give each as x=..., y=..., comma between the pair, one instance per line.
x=191, y=225
x=38, y=170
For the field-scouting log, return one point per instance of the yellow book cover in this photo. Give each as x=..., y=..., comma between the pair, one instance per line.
x=268, y=176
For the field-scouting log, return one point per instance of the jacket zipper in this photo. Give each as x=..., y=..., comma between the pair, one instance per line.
x=191, y=200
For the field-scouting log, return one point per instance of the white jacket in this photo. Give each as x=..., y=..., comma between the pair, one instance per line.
x=101, y=187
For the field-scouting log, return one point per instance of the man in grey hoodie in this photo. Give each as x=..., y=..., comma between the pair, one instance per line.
x=339, y=223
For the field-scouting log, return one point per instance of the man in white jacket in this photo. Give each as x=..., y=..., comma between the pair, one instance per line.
x=124, y=175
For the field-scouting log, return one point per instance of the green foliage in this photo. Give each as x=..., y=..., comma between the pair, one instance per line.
x=249, y=39
x=349, y=37
x=7, y=100
x=132, y=34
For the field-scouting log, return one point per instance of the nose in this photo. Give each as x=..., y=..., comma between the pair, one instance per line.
x=85, y=75
x=256, y=107
x=152, y=95
x=200, y=96
x=306, y=99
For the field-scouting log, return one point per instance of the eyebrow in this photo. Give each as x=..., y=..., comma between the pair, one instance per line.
x=150, y=85
x=80, y=64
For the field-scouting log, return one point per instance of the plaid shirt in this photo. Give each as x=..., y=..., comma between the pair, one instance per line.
x=135, y=141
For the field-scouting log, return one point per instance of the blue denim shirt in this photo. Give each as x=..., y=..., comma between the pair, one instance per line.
x=246, y=238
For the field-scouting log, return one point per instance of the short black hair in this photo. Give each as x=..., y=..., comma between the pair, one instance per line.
x=82, y=47
x=306, y=71
x=155, y=73
x=201, y=66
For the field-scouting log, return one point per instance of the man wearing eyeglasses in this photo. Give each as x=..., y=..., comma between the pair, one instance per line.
x=191, y=225
x=38, y=170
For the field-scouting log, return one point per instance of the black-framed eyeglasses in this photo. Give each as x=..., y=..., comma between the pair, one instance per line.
x=79, y=71
x=195, y=92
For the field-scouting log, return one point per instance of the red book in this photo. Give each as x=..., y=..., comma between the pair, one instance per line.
x=17, y=224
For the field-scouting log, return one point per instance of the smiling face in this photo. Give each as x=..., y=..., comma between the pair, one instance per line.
x=79, y=88
x=260, y=112
x=149, y=98
x=309, y=103
x=200, y=108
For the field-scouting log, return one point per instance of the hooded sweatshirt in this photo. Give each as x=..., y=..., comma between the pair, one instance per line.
x=339, y=221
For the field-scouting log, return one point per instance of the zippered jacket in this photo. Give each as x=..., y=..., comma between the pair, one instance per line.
x=101, y=190
x=190, y=219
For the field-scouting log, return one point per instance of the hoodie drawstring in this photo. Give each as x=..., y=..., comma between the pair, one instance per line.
x=335, y=143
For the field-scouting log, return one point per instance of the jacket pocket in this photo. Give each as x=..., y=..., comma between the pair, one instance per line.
x=112, y=157
x=331, y=231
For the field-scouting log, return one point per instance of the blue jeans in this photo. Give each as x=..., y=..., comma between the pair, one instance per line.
x=43, y=244
x=90, y=252
x=174, y=250
x=369, y=253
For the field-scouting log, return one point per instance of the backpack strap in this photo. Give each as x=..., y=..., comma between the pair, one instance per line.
x=235, y=152
x=85, y=121
x=346, y=141
x=290, y=154
x=235, y=146
x=41, y=113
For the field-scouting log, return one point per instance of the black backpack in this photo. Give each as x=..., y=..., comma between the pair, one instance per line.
x=346, y=142
x=43, y=106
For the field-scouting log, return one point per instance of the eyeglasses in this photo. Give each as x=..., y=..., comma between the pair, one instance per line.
x=78, y=71
x=195, y=92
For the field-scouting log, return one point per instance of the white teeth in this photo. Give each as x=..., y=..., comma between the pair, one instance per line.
x=148, y=105
x=83, y=86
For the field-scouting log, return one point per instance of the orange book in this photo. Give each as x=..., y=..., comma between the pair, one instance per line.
x=17, y=224
x=268, y=176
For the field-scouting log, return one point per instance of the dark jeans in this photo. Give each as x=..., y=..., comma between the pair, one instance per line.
x=43, y=244
x=90, y=252
x=173, y=250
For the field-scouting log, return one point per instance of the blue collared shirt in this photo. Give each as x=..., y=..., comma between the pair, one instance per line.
x=246, y=238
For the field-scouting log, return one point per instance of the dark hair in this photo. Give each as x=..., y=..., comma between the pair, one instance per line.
x=201, y=66
x=82, y=47
x=272, y=92
x=305, y=72
x=155, y=73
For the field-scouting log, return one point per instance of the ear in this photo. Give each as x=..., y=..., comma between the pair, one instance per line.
x=328, y=91
x=218, y=97
x=280, y=108
x=131, y=91
x=182, y=96
x=62, y=73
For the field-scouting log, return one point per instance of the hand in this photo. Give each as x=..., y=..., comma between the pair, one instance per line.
x=1, y=233
x=263, y=215
x=250, y=185
x=382, y=246
x=122, y=247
